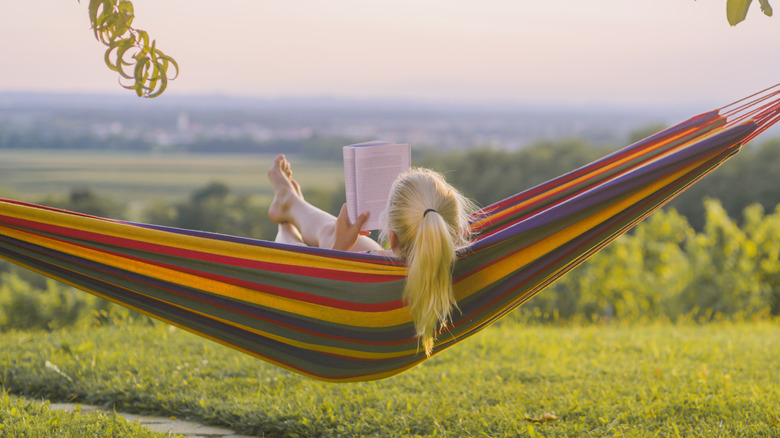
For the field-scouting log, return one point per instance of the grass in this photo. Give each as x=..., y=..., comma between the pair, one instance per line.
x=25, y=418
x=141, y=177
x=718, y=380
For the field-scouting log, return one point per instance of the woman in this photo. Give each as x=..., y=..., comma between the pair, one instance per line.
x=427, y=222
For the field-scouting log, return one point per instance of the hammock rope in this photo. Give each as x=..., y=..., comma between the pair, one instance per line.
x=340, y=316
x=763, y=107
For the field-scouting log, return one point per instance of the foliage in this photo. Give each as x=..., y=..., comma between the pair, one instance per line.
x=216, y=209
x=724, y=265
x=666, y=270
x=32, y=419
x=485, y=175
x=130, y=51
x=213, y=208
x=88, y=202
x=750, y=177
x=662, y=380
x=23, y=306
x=736, y=10
x=30, y=301
x=488, y=175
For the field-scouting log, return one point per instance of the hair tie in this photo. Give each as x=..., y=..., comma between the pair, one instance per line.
x=428, y=211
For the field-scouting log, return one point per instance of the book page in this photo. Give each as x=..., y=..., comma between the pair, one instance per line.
x=349, y=181
x=376, y=168
x=350, y=184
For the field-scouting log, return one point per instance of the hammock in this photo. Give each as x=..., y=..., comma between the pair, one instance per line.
x=339, y=316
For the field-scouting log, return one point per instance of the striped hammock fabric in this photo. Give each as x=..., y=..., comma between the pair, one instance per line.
x=339, y=316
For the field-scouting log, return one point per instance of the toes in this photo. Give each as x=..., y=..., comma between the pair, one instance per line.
x=283, y=165
x=297, y=187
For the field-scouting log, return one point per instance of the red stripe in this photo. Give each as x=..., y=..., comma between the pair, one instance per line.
x=698, y=172
x=330, y=274
x=274, y=290
x=708, y=119
x=260, y=287
x=57, y=210
x=139, y=280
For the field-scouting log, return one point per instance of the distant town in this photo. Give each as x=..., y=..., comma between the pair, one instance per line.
x=225, y=124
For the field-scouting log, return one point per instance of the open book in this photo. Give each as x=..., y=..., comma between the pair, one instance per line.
x=369, y=170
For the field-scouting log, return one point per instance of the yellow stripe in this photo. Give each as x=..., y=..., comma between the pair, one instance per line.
x=358, y=355
x=304, y=371
x=339, y=316
x=451, y=340
x=195, y=243
x=372, y=376
x=601, y=170
x=77, y=286
x=347, y=352
x=516, y=261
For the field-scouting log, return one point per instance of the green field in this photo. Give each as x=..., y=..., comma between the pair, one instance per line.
x=143, y=177
x=717, y=380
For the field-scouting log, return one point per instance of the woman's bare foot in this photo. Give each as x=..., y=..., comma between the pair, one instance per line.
x=286, y=169
x=287, y=233
x=285, y=188
x=297, y=188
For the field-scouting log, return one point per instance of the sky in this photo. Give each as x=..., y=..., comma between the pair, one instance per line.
x=573, y=52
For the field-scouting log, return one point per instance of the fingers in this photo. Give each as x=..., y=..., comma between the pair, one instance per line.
x=344, y=215
x=346, y=232
x=344, y=222
x=343, y=218
x=360, y=221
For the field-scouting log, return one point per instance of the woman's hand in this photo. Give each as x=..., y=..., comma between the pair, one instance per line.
x=347, y=233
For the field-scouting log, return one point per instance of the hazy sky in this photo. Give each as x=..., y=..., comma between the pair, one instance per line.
x=643, y=52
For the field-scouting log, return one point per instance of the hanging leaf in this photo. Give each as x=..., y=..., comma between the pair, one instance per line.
x=130, y=52
x=766, y=8
x=736, y=10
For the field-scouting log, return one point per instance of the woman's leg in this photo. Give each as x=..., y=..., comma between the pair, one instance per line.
x=317, y=227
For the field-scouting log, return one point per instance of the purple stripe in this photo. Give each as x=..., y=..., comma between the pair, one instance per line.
x=622, y=184
x=267, y=244
x=404, y=332
x=521, y=277
x=699, y=120
x=308, y=360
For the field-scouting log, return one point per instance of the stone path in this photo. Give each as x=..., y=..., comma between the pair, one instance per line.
x=159, y=424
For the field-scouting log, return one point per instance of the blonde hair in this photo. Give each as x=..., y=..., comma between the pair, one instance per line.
x=430, y=220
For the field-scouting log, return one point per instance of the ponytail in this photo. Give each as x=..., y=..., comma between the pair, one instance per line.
x=428, y=289
x=430, y=221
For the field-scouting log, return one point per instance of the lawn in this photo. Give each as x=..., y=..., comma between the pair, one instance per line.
x=721, y=379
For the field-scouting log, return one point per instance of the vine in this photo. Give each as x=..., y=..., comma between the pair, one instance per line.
x=142, y=67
